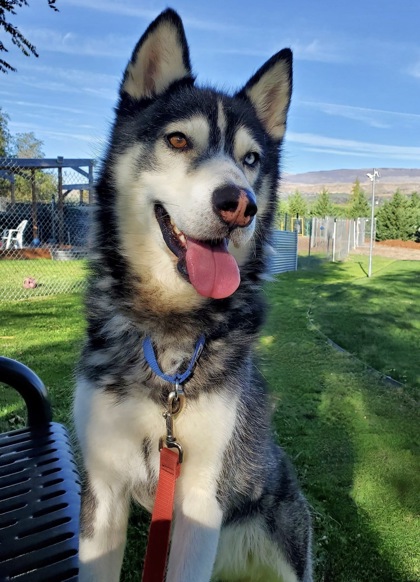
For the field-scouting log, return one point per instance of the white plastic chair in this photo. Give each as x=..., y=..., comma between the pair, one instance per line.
x=13, y=237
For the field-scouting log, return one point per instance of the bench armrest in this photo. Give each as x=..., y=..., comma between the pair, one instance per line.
x=30, y=387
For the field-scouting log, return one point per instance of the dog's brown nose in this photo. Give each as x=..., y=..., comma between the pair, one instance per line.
x=235, y=206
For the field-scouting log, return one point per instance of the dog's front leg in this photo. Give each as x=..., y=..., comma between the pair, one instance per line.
x=198, y=514
x=195, y=537
x=104, y=516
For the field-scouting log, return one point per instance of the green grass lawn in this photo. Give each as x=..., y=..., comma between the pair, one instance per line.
x=45, y=334
x=376, y=319
x=52, y=277
x=353, y=439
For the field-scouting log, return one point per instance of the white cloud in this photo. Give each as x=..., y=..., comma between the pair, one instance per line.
x=235, y=36
x=320, y=51
x=111, y=45
x=378, y=118
x=124, y=9
x=40, y=131
x=330, y=145
x=120, y=7
x=65, y=80
x=414, y=70
x=46, y=106
x=310, y=51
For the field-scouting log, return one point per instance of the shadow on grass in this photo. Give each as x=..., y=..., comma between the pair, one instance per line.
x=54, y=360
x=378, y=321
x=320, y=398
x=362, y=267
x=46, y=337
x=58, y=378
x=319, y=395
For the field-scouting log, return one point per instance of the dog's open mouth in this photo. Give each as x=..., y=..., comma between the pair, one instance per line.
x=207, y=265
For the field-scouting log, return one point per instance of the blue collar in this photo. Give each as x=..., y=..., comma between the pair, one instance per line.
x=177, y=378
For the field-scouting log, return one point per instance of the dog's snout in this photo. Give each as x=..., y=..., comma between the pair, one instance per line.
x=235, y=206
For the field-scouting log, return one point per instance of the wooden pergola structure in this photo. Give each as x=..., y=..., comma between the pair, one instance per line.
x=11, y=166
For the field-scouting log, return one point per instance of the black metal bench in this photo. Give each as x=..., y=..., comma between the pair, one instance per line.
x=39, y=490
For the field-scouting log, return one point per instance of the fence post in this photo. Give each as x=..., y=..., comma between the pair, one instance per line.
x=310, y=238
x=60, y=202
x=91, y=182
x=313, y=232
x=34, y=208
x=350, y=226
x=12, y=191
x=334, y=238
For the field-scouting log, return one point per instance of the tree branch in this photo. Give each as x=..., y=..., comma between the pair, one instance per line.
x=8, y=7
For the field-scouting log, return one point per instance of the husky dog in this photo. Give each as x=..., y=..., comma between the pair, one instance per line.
x=185, y=202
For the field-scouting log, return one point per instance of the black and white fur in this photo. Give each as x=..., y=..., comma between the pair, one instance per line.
x=239, y=514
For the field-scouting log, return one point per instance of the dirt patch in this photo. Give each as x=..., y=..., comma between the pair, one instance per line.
x=19, y=254
x=403, y=244
x=393, y=249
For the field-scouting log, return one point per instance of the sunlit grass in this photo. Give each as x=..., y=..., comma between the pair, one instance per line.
x=52, y=277
x=45, y=334
x=377, y=319
x=354, y=441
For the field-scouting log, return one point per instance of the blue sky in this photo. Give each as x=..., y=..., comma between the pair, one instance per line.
x=356, y=100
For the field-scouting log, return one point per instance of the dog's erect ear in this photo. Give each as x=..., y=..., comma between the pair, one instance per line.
x=160, y=58
x=270, y=90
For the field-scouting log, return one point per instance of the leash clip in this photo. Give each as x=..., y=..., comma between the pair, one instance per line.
x=176, y=401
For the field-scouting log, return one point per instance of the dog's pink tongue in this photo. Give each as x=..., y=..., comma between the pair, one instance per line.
x=212, y=270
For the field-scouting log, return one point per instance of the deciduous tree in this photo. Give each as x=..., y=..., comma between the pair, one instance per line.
x=27, y=145
x=4, y=133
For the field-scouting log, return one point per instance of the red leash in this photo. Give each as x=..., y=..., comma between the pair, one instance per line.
x=170, y=463
x=160, y=528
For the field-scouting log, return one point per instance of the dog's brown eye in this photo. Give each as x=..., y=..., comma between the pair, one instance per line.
x=178, y=141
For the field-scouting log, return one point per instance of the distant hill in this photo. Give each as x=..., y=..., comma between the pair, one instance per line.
x=339, y=182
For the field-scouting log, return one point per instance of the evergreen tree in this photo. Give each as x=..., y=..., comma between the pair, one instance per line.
x=283, y=207
x=415, y=214
x=396, y=219
x=8, y=8
x=339, y=211
x=297, y=204
x=282, y=211
x=323, y=206
x=359, y=205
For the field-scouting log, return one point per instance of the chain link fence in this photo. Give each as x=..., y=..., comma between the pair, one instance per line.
x=45, y=207
x=334, y=238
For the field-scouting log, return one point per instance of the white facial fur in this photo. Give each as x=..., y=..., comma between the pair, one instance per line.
x=186, y=194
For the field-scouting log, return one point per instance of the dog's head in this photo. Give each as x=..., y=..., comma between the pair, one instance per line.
x=195, y=170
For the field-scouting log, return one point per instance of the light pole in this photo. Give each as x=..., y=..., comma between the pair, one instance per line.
x=372, y=178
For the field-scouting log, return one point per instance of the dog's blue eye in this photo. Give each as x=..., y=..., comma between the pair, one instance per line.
x=251, y=159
